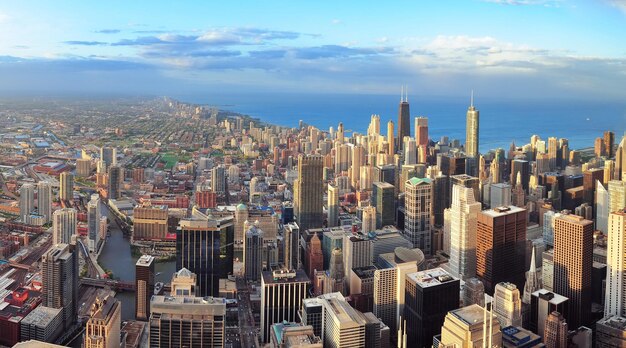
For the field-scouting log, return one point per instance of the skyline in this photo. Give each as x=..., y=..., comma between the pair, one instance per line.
x=572, y=50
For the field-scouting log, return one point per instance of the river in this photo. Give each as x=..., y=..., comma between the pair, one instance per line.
x=116, y=256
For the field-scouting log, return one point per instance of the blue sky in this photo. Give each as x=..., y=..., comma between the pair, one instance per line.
x=504, y=48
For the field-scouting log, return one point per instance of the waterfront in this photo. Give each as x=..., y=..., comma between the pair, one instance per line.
x=116, y=256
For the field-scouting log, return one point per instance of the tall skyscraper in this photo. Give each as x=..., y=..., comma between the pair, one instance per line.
x=59, y=277
x=309, y=191
x=282, y=292
x=523, y=167
x=465, y=181
x=291, y=250
x=463, y=218
x=617, y=195
x=404, y=120
x=609, y=143
x=614, y=301
x=418, y=213
x=103, y=327
x=144, y=284
x=93, y=221
x=383, y=199
x=83, y=167
x=421, y=137
x=508, y=304
x=109, y=156
x=555, y=332
x=471, y=131
x=601, y=210
x=334, y=281
x=63, y=225
x=390, y=139
x=501, y=246
x=333, y=205
x=27, y=201
x=368, y=221
x=544, y=302
x=471, y=326
x=44, y=200
x=253, y=254
x=430, y=295
x=115, y=178
x=357, y=252
x=204, y=247
x=66, y=186
x=218, y=180
x=573, y=262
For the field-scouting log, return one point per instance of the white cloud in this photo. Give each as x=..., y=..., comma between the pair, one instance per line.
x=3, y=17
x=620, y=4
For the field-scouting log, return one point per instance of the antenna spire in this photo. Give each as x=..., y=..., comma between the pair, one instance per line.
x=406, y=94
x=401, y=93
x=472, y=99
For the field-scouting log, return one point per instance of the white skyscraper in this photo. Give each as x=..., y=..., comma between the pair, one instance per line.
x=617, y=195
x=66, y=186
x=93, y=221
x=27, y=201
x=500, y=195
x=418, y=210
x=463, y=214
x=63, y=225
x=44, y=200
x=508, y=304
x=615, y=299
x=602, y=208
x=410, y=152
x=368, y=221
x=471, y=131
x=333, y=205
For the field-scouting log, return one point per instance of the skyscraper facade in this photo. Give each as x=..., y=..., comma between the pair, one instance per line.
x=463, y=219
x=333, y=205
x=309, y=191
x=555, y=332
x=27, y=201
x=44, y=200
x=614, y=300
x=418, y=212
x=144, y=285
x=471, y=131
x=64, y=225
x=115, y=178
x=66, y=186
x=404, y=120
x=93, y=221
x=383, y=199
x=253, y=254
x=59, y=277
x=103, y=327
x=508, y=304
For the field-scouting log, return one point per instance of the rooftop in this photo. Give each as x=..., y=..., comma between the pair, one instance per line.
x=551, y=297
x=502, y=211
x=145, y=260
x=471, y=315
x=431, y=277
x=418, y=181
x=284, y=276
x=614, y=322
x=41, y=316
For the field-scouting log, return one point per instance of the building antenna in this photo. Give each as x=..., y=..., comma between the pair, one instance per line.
x=472, y=99
x=401, y=93
x=406, y=94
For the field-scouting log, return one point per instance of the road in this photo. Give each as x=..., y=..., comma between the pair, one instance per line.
x=246, y=319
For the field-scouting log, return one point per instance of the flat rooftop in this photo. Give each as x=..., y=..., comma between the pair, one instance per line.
x=431, y=277
x=502, y=211
x=41, y=316
x=471, y=315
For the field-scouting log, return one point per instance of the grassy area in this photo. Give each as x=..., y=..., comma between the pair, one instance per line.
x=170, y=160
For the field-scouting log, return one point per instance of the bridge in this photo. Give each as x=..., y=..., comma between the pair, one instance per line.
x=19, y=265
x=110, y=283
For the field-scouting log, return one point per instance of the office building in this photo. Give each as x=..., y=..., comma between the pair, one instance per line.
x=66, y=186
x=184, y=284
x=27, y=201
x=103, y=327
x=501, y=246
x=187, y=322
x=611, y=332
x=522, y=167
x=291, y=250
x=544, y=302
x=368, y=221
x=469, y=327
x=144, y=285
x=43, y=324
x=314, y=256
x=404, y=121
x=573, y=261
x=44, y=200
x=344, y=326
x=334, y=277
x=617, y=195
x=93, y=221
x=421, y=138
x=609, y=143
x=462, y=225
x=253, y=254
x=312, y=313
x=332, y=239
x=418, y=213
x=500, y=195
x=308, y=192
x=601, y=210
x=383, y=199
x=150, y=222
x=115, y=179
x=287, y=335
x=614, y=301
x=507, y=304
x=204, y=247
x=357, y=252
x=465, y=180
x=109, y=156
x=472, y=131
x=83, y=167
x=64, y=225
x=386, y=241
x=282, y=292
x=59, y=278
x=555, y=332
x=473, y=292
x=430, y=295
x=218, y=180
x=333, y=205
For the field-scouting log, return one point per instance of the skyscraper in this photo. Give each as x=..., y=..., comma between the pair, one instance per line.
x=368, y=221
x=418, y=213
x=501, y=246
x=508, y=304
x=103, y=327
x=108, y=155
x=390, y=139
x=544, y=302
x=63, y=225
x=144, y=285
x=614, y=301
x=59, y=277
x=609, y=143
x=333, y=205
x=573, y=260
x=27, y=201
x=383, y=199
x=83, y=167
x=204, y=246
x=291, y=250
x=430, y=295
x=218, y=180
x=44, y=200
x=471, y=326
x=357, y=252
x=602, y=208
x=115, y=178
x=555, y=333
x=404, y=120
x=66, y=186
x=471, y=131
x=421, y=138
x=253, y=254
x=282, y=292
x=334, y=281
x=93, y=221
x=308, y=192
x=523, y=167
x=315, y=257
x=463, y=219
x=617, y=195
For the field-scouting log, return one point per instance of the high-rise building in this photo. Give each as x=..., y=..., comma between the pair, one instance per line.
x=150, y=222
x=463, y=218
x=383, y=199
x=315, y=257
x=357, y=252
x=471, y=131
x=344, y=326
x=63, y=225
x=602, y=208
x=471, y=326
x=308, y=192
x=465, y=181
x=115, y=178
x=59, y=277
x=573, y=262
x=109, y=156
x=103, y=327
x=27, y=201
x=418, y=213
x=544, y=302
x=555, y=332
x=430, y=295
x=390, y=139
x=590, y=178
x=523, y=167
x=253, y=254
x=614, y=301
x=507, y=304
x=282, y=292
x=291, y=250
x=500, y=195
x=611, y=332
x=334, y=280
x=187, y=322
x=66, y=186
x=83, y=167
x=421, y=137
x=501, y=246
x=44, y=200
x=144, y=285
x=404, y=121
x=609, y=143
x=184, y=284
x=204, y=246
x=218, y=180
x=93, y=221
x=617, y=195
x=368, y=220
x=294, y=335
x=333, y=205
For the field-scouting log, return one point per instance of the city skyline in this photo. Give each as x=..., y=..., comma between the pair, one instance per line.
x=572, y=49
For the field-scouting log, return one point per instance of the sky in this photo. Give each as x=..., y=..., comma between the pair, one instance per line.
x=567, y=49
